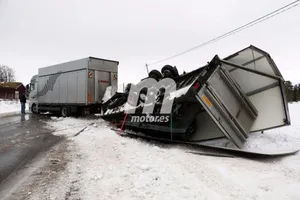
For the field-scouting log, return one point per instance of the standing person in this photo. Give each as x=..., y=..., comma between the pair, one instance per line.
x=23, y=103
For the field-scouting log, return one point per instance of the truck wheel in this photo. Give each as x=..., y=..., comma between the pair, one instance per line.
x=34, y=109
x=64, y=111
x=169, y=72
x=155, y=74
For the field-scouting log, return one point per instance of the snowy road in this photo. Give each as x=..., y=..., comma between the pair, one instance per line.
x=21, y=139
x=99, y=164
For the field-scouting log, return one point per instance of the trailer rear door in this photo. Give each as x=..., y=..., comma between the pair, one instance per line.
x=258, y=76
x=228, y=106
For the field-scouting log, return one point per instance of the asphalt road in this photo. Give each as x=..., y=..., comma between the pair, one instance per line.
x=21, y=139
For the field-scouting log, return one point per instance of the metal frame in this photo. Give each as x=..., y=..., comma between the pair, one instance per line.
x=280, y=79
x=264, y=53
x=248, y=63
x=250, y=70
x=254, y=60
x=237, y=139
x=243, y=97
x=263, y=89
x=269, y=58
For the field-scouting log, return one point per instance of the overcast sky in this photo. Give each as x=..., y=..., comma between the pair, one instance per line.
x=38, y=33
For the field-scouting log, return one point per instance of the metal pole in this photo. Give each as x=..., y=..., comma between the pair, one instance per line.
x=147, y=68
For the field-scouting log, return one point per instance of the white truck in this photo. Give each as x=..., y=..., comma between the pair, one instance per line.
x=75, y=87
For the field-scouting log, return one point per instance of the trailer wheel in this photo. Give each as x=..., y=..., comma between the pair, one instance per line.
x=64, y=111
x=169, y=71
x=155, y=74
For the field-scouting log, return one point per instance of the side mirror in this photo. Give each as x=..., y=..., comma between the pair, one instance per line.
x=27, y=88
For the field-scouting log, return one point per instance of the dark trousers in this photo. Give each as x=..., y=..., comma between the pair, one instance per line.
x=23, y=108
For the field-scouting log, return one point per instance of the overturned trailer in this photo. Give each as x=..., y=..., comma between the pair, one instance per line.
x=229, y=97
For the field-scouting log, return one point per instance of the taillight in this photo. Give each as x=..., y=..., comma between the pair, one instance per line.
x=197, y=85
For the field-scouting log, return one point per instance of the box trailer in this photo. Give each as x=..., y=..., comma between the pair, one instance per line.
x=229, y=98
x=73, y=87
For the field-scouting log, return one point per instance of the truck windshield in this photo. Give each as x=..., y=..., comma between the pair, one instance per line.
x=32, y=86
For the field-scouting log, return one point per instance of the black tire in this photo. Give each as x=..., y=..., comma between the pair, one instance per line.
x=34, y=109
x=64, y=111
x=155, y=74
x=176, y=71
x=173, y=71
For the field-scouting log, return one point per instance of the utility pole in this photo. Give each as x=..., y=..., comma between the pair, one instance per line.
x=146, y=65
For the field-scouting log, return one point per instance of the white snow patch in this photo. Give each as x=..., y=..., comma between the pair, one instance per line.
x=180, y=92
x=107, y=94
x=70, y=126
x=123, y=108
x=10, y=106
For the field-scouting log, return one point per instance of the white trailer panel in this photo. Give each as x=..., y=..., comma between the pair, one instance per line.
x=64, y=67
x=81, y=81
x=255, y=59
x=266, y=92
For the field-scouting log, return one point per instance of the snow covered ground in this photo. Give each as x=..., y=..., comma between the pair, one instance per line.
x=100, y=164
x=9, y=107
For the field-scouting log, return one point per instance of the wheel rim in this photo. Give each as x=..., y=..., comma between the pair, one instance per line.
x=64, y=112
x=34, y=109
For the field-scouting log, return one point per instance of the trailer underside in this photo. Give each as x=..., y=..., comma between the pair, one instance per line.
x=227, y=98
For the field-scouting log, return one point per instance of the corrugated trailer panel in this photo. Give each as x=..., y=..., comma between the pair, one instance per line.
x=42, y=89
x=63, y=87
x=67, y=88
x=54, y=94
x=72, y=87
x=82, y=87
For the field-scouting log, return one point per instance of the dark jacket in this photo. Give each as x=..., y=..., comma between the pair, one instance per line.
x=22, y=98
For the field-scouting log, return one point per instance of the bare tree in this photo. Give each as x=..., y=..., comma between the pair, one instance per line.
x=7, y=74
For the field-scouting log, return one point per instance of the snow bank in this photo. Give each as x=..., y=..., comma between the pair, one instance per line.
x=180, y=92
x=68, y=126
x=10, y=107
x=105, y=165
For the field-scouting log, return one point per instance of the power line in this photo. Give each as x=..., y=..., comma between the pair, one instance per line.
x=248, y=25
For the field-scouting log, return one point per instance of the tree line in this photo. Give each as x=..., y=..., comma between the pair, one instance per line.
x=292, y=91
x=7, y=74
